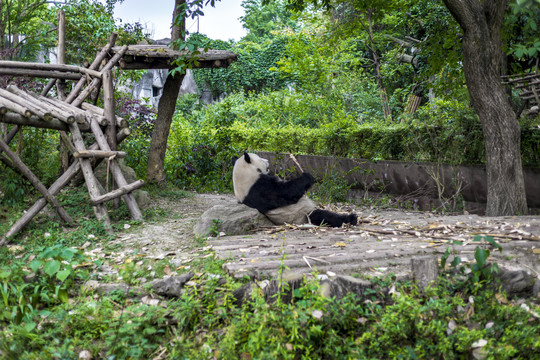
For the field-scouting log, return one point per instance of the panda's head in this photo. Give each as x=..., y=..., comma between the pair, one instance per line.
x=247, y=170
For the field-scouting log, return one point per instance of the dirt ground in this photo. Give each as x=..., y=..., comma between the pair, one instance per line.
x=383, y=242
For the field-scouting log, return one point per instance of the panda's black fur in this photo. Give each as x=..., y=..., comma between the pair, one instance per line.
x=255, y=188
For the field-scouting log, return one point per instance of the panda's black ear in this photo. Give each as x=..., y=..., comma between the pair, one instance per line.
x=246, y=157
x=234, y=158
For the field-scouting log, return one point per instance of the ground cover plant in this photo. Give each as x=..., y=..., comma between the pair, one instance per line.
x=48, y=312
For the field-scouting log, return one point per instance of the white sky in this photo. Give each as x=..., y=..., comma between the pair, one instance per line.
x=220, y=22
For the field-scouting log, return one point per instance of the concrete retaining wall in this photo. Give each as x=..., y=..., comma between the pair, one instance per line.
x=413, y=182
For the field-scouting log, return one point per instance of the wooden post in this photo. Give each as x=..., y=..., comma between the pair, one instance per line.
x=36, y=183
x=58, y=185
x=91, y=182
x=425, y=270
x=117, y=173
x=96, y=81
x=61, y=84
x=95, y=64
x=108, y=108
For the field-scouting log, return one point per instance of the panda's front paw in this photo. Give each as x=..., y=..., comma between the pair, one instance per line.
x=308, y=179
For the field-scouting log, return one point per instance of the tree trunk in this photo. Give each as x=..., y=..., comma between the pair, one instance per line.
x=481, y=22
x=155, y=171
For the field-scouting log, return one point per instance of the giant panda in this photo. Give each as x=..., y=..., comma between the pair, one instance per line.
x=281, y=201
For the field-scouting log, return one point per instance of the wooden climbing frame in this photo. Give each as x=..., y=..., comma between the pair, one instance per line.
x=73, y=116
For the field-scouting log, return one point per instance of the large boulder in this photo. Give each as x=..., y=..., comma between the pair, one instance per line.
x=231, y=219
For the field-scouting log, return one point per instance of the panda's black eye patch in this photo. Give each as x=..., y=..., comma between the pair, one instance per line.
x=259, y=170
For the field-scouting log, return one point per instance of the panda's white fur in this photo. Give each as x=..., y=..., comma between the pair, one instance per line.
x=246, y=174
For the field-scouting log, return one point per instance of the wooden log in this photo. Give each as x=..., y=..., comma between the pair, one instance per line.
x=69, y=70
x=48, y=87
x=95, y=64
x=108, y=108
x=129, y=199
x=91, y=182
x=34, y=121
x=99, y=154
x=72, y=116
x=67, y=142
x=120, y=121
x=61, y=84
x=58, y=185
x=101, y=120
x=24, y=102
x=34, y=180
x=47, y=108
x=118, y=192
x=11, y=134
x=39, y=74
x=96, y=82
x=15, y=107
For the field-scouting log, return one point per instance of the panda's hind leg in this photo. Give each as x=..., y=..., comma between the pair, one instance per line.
x=319, y=217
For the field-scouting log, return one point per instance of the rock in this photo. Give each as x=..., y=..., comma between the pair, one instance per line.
x=106, y=289
x=171, y=286
x=234, y=219
x=341, y=285
x=536, y=288
x=85, y=355
x=517, y=283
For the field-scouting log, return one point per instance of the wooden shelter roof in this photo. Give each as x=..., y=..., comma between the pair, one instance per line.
x=161, y=56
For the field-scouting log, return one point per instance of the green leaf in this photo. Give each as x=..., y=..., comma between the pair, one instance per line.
x=68, y=253
x=30, y=326
x=481, y=256
x=63, y=275
x=63, y=295
x=456, y=261
x=51, y=267
x=492, y=241
x=35, y=264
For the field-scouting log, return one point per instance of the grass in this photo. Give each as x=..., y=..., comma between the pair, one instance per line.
x=46, y=313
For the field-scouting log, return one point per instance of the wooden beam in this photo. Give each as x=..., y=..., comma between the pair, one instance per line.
x=91, y=182
x=34, y=180
x=96, y=82
x=99, y=154
x=95, y=65
x=59, y=69
x=129, y=199
x=58, y=185
x=54, y=124
x=118, y=192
